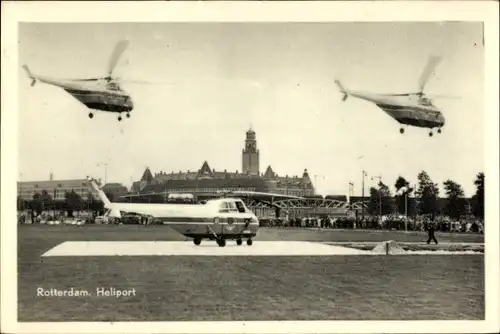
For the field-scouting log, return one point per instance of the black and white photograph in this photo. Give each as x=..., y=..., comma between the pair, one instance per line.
x=258, y=171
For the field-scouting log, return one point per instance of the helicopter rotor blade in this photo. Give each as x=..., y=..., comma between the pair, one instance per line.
x=125, y=80
x=428, y=71
x=88, y=79
x=441, y=96
x=115, y=56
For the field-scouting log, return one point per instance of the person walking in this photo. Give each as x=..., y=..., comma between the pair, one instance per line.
x=430, y=230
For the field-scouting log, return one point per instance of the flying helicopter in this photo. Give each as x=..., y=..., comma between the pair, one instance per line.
x=101, y=94
x=409, y=109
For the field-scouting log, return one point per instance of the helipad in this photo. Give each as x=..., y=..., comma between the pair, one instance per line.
x=207, y=248
x=210, y=248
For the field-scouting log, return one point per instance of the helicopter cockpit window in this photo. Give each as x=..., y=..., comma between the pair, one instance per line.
x=240, y=206
x=223, y=208
x=232, y=207
x=113, y=86
x=226, y=207
x=425, y=101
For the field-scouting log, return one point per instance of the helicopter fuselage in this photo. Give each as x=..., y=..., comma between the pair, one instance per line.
x=101, y=93
x=95, y=95
x=408, y=110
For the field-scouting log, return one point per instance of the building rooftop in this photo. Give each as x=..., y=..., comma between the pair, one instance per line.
x=256, y=183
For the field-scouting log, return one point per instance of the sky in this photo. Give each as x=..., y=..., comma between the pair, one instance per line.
x=216, y=80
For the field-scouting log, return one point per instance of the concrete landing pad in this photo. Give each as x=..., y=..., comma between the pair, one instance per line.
x=210, y=248
x=207, y=248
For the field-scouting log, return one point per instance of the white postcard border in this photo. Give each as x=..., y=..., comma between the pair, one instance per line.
x=14, y=12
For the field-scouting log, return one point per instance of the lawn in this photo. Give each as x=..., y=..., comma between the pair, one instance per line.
x=177, y=288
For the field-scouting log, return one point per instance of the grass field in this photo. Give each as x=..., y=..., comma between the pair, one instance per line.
x=177, y=288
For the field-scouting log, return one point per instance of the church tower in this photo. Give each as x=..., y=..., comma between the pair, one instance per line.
x=250, y=155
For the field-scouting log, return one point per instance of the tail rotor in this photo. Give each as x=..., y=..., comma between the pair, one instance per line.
x=342, y=90
x=33, y=79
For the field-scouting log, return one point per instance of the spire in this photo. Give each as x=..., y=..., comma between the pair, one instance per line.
x=147, y=176
x=269, y=174
x=305, y=178
x=205, y=169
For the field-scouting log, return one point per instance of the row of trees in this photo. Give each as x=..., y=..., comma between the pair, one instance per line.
x=426, y=194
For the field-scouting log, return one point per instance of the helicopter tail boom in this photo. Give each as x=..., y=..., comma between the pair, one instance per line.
x=33, y=79
x=342, y=90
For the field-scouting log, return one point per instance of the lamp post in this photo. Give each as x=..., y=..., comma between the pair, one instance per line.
x=105, y=171
x=363, y=194
x=54, y=202
x=350, y=193
x=379, y=194
x=406, y=191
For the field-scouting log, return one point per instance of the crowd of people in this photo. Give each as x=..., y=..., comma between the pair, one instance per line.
x=56, y=217
x=390, y=222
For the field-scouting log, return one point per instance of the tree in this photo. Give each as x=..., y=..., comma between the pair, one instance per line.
x=73, y=202
x=373, y=203
x=456, y=201
x=109, y=195
x=478, y=198
x=36, y=204
x=388, y=205
x=381, y=201
x=21, y=205
x=428, y=193
x=45, y=200
x=403, y=192
x=94, y=204
x=97, y=206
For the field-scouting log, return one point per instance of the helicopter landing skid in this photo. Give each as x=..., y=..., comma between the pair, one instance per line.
x=402, y=131
x=120, y=116
x=91, y=115
x=431, y=133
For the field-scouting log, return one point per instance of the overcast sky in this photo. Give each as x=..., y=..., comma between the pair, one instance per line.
x=220, y=79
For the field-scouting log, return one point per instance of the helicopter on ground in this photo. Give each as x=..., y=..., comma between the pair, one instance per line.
x=102, y=94
x=409, y=109
x=221, y=219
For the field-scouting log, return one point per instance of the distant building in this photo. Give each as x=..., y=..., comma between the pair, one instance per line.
x=56, y=189
x=211, y=181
